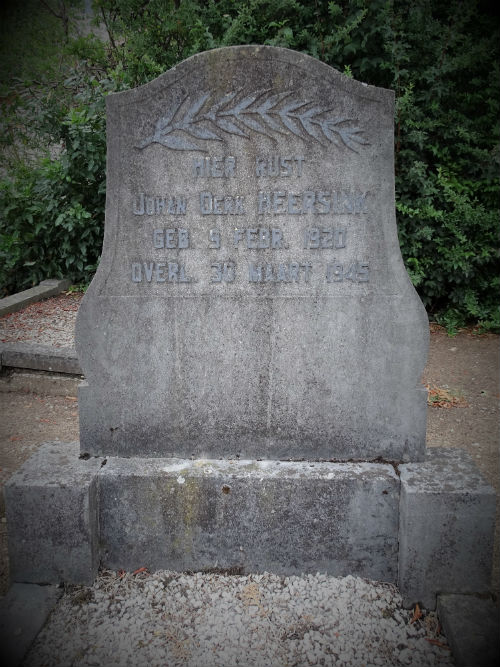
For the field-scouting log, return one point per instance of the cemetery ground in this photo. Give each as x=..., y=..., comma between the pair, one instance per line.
x=461, y=373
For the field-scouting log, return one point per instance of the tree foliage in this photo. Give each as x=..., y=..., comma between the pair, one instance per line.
x=440, y=58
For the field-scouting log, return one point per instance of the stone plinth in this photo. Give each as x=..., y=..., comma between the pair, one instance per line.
x=427, y=526
x=256, y=515
x=447, y=523
x=51, y=509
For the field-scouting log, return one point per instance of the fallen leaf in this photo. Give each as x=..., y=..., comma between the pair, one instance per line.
x=70, y=398
x=141, y=569
x=416, y=614
x=442, y=398
x=250, y=595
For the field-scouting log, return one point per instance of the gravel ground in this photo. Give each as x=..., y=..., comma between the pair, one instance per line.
x=213, y=619
x=200, y=620
x=49, y=322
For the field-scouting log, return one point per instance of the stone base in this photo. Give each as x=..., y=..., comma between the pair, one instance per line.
x=447, y=524
x=65, y=515
x=51, y=509
x=281, y=517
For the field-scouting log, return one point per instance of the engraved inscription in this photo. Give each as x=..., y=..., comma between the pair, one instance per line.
x=170, y=238
x=322, y=239
x=223, y=272
x=357, y=272
x=258, y=237
x=211, y=204
x=214, y=167
x=159, y=272
x=315, y=238
x=214, y=239
x=313, y=202
x=278, y=166
x=279, y=273
x=154, y=205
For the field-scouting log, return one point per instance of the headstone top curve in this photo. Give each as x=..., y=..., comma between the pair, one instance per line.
x=252, y=52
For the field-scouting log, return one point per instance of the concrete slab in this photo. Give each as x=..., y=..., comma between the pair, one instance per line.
x=447, y=520
x=23, y=612
x=38, y=382
x=39, y=357
x=51, y=510
x=14, y=302
x=472, y=627
x=283, y=517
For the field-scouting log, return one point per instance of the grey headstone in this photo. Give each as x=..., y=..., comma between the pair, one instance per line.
x=251, y=299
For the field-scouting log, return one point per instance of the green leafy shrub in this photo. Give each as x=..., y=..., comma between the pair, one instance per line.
x=52, y=214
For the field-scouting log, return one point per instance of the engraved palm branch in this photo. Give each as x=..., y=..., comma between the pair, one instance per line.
x=259, y=112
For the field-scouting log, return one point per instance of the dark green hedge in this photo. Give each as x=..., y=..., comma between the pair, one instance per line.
x=442, y=59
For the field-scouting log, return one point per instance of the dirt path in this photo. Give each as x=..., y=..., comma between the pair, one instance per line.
x=464, y=368
x=467, y=366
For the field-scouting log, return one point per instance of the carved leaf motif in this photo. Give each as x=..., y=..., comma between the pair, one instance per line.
x=328, y=133
x=291, y=125
x=292, y=106
x=272, y=101
x=165, y=121
x=272, y=123
x=241, y=106
x=177, y=143
x=202, y=133
x=193, y=109
x=258, y=112
x=211, y=113
x=230, y=127
x=308, y=126
x=253, y=124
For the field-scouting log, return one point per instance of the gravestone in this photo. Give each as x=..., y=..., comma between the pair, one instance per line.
x=252, y=348
x=251, y=299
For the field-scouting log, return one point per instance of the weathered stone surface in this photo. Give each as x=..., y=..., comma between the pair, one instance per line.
x=51, y=509
x=258, y=515
x=447, y=521
x=251, y=299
